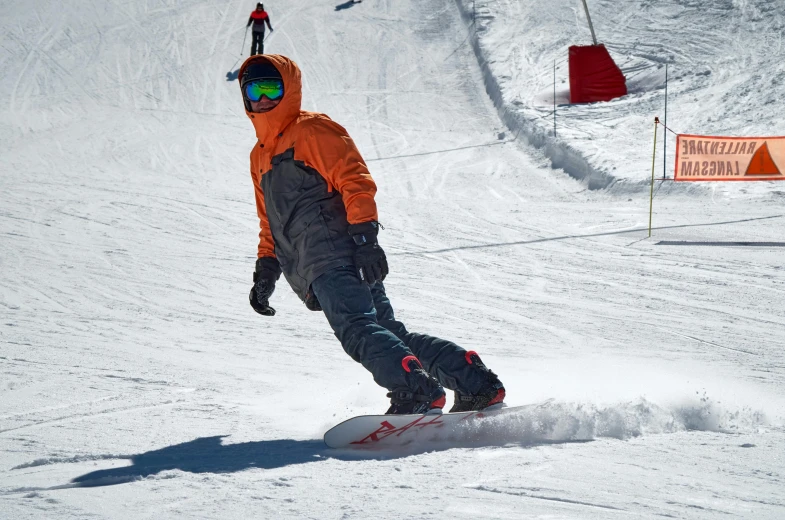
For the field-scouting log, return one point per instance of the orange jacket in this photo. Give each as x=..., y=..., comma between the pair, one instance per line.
x=318, y=143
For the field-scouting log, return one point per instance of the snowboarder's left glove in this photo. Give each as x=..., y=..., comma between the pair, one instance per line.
x=369, y=259
x=268, y=270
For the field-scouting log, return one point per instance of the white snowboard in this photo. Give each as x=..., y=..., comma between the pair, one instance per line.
x=383, y=431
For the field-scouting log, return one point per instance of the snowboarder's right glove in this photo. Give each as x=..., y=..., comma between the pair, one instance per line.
x=369, y=259
x=268, y=270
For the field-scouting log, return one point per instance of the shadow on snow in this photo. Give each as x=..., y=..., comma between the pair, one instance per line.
x=210, y=455
x=345, y=5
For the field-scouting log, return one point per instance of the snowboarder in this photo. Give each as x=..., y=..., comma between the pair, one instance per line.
x=258, y=18
x=319, y=225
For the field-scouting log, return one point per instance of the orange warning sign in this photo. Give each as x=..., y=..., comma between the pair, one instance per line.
x=711, y=158
x=762, y=163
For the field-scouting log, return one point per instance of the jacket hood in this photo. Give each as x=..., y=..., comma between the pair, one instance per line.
x=272, y=123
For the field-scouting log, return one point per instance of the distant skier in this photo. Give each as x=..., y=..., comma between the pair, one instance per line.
x=318, y=225
x=258, y=18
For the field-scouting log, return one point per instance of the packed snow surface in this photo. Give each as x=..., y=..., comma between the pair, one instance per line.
x=725, y=76
x=137, y=382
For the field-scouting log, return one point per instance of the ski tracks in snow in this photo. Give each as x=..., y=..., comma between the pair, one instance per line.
x=129, y=353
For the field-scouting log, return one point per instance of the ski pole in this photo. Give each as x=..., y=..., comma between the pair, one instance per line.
x=244, y=37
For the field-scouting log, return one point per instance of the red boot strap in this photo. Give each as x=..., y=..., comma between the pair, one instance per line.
x=469, y=355
x=499, y=397
x=439, y=403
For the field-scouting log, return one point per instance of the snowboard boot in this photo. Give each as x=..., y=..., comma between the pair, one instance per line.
x=422, y=394
x=490, y=393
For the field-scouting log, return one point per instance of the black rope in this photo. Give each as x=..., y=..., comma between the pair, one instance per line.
x=668, y=129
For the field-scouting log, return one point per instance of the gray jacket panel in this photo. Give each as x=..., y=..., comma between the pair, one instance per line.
x=307, y=221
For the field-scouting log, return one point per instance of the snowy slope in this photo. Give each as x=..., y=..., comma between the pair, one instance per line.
x=725, y=77
x=129, y=354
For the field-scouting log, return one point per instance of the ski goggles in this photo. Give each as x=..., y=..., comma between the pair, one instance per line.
x=270, y=87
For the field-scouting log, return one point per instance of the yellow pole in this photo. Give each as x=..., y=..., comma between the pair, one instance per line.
x=653, y=156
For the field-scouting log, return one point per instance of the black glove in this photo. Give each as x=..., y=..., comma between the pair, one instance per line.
x=369, y=259
x=268, y=270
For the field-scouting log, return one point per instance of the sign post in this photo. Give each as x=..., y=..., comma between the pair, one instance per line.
x=588, y=17
x=653, y=157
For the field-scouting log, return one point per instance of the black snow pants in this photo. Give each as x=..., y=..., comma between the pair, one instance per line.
x=257, y=43
x=363, y=321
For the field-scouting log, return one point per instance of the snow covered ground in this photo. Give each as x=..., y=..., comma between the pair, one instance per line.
x=136, y=382
x=725, y=77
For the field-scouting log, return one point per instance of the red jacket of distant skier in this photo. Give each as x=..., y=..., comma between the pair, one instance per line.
x=258, y=18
